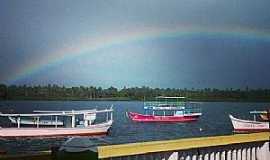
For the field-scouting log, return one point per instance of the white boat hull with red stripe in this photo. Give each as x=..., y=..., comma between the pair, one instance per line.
x=240, y=125
x=95, y=129
x=174, y=118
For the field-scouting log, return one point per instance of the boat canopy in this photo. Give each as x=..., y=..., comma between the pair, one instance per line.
x=258, y=112
x=163, y=108
x=56, y=113
x=162, y=97
x=66, y=111
x=163, y=101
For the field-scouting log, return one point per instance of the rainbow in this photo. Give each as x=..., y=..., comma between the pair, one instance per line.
x=93, y=44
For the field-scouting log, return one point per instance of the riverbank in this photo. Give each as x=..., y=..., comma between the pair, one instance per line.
x=134, y=99
x=92, y=93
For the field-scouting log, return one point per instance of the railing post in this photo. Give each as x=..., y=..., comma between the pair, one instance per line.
x=244, y=154
x=229, y=155
x=206, y=156
x=257, y=152
x=234, y=157
x=223, y=155
x=239, y=153
x=173, y=156
x=180, y=155
x=253, y=153
x=217, y=155
x=248, y=153
x=212, y=155
x=194, y=157
x=188, y=157
x=265, y=153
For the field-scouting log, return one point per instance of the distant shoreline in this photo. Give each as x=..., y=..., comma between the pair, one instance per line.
x=130, y=99
x=93, y=93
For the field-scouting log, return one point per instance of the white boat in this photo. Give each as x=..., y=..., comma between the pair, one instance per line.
x=241, y=125
x=69, y=127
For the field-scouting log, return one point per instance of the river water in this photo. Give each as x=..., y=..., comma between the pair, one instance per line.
x=214, y=121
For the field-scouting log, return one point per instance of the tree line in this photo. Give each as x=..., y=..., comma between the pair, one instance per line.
x=56, y=92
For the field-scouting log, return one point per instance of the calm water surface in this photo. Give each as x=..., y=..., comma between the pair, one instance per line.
x=214, y=121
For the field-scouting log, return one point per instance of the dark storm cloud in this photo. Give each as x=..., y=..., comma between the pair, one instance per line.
x=32, y=30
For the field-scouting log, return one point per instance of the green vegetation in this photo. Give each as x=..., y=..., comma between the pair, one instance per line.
x=55, y=92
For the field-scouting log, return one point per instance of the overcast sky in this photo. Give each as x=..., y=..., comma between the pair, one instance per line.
x=157, y=43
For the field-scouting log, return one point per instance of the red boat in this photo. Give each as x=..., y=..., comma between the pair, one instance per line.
x=167, y=109
x=174, y=118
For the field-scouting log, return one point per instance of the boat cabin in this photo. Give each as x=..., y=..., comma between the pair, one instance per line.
x=170, y=106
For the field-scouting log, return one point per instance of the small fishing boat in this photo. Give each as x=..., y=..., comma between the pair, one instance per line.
x=242, y=126
x=69, y=126
x=167, y=109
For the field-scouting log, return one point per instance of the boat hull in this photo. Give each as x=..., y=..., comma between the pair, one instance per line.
x=151, y=118
x=97, y=129
x=243, y=126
